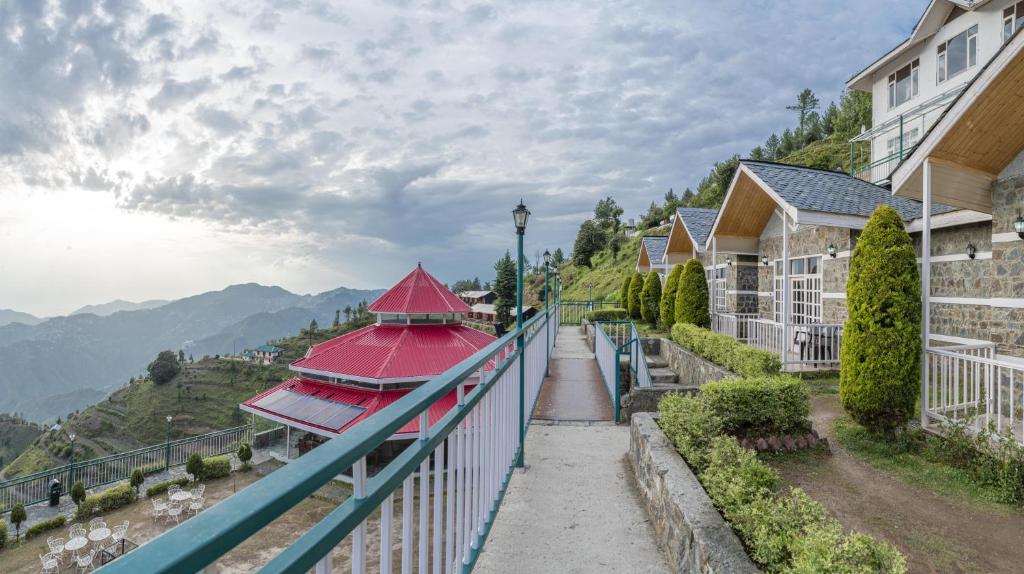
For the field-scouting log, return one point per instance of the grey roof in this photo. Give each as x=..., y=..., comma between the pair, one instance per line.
x=699, y=221
x=655, y=247
x=833, y=192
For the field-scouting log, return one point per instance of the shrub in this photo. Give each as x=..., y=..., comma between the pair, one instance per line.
x=624, y=292
x=194, y=466
x=216, y=467
x=3, y=533
x=636, y=285
x=725, y=351
x=104, y=502
x=77, y=492
x=668, y=297
x=690, y=425
x=137, y=479
x=759, y=406
x=773, y=526
x=881, y=349
x=734, y=477
x=692, y=296
x=827, y=550
x=45, y=526
x=164, y=368
x=161, y=487
x=244, y=454
x=608, y=314
x=650, y=298
x=18, y=516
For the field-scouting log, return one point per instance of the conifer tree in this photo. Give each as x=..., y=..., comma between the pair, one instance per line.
x=650, y=298
x=668, y=297
x=636, y=286
x=692, y=296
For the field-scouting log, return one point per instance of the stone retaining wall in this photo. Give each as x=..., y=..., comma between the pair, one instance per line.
x=687, y=526
x=693, y=371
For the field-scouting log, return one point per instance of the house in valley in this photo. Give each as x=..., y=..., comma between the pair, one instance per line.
x=266, y=354
x=477, y=297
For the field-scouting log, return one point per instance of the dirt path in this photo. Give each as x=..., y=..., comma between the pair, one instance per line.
x=935, y=533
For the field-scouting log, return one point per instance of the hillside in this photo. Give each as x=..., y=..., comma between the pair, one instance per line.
x=16, y=434
x=204, y=397
x=606, y=273
x=64, y=363
x=8, y=316
x=118, y=305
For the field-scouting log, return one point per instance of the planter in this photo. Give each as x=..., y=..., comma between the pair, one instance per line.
x=692, y=369
x=686, y=524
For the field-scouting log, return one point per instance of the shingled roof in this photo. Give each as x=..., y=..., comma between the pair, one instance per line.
x=699, y=222
x=655, y=247
x=833, y=192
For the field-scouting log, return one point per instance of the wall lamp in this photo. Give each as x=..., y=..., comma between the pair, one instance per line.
x=764, y=260
x=832, y=251
x=728, y=260
x=1018, y=226
x=972, y=251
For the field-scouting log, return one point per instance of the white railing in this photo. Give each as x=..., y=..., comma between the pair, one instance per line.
x=638, y=360
x=967, y=384
x=808, y=344
x=736, y=325
x=766, y=335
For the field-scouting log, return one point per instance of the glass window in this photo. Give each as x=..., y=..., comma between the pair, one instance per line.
x=957, y=54
x=903, y=84
x=813, y=265
x=1013, y=20
x=778, y=267
x=796, y=267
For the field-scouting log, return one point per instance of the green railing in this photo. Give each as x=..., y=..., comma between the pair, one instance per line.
x=612, y=341
x=448, y=483
x=33, y=488
x=573, y=312
x=879, y=170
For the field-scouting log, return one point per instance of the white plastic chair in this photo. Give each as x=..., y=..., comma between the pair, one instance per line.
x=172, y=489
x=85, y=561
x=159, y=507
x=56, y=546
x=50, y=563
x=98, y=520
x=117, y=534
x=174, y=512
x=77, y=531
x=195, y=505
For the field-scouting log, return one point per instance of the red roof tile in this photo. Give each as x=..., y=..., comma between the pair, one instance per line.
x=419, y=292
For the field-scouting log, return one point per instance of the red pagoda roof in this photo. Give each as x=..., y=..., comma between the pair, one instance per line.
x=394, y=352
x=419, y=292
x=332, y=408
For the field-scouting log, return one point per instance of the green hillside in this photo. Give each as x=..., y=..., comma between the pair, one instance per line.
x=204, y=397
x=606, y=273
x=16, y=434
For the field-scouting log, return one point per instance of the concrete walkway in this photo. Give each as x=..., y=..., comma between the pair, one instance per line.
x=574, y=507
x=574, y=390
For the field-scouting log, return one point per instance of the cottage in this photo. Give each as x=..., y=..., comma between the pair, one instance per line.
x=265, y=354
x=477, y=297
x=686, y=238
x=652, y=253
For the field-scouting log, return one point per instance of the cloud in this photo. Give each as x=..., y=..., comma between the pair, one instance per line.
x=173, y=92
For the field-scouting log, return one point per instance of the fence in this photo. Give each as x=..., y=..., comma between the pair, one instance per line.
x=612, y=341
x=736, y=325
x=967, y=384
x=445, y=515
x=809, y=345
x=33, y=488
x=573, y=312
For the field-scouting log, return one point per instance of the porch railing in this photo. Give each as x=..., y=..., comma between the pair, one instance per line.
x=448, y=483
x=815, y=345
x=33, y=488
x=736, y=325
x=967, y=384
x=573, y=312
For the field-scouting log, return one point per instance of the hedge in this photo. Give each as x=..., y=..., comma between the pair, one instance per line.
x=879, y=374
x=636, y=285
x=104, y=502
x=216, y=467
x=650, y=298
x=161, y=487
x=692, y=296
x=668, y=297
x=759, y=406
x=609, y=314
x=45, y=526
x=3, y=533
x=725, y=351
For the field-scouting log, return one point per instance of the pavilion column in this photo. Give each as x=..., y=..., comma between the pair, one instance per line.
x=785, y=288
x=926, y=282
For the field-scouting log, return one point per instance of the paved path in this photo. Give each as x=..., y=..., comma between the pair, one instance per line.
x=574, y=390
x=574, y=508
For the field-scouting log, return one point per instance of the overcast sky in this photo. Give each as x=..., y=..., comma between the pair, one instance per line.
x=157, y=151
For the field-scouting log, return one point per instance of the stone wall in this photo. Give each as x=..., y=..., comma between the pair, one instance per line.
x=693, y=371
x=686, y=524
x=1008, y=261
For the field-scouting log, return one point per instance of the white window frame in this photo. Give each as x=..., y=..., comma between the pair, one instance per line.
x=1013, y=20
x=942, y=55
x=892, y=145
x=804, y=288
x=720, y=283
x=913, y=77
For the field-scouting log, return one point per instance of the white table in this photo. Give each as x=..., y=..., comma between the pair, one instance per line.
x=181, y=496
x=76, y=544
x=99, y=534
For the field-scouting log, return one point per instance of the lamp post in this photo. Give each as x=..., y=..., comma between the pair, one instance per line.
x=520, y=215
x=547, y=311
x=167, y=445
x=71, y=463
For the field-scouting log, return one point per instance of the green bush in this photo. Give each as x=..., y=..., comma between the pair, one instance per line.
x=3, y=533
x=690, y=425
x=725, y=351
x=759, y=406
x=692, y=296
x=136, y=479
x=216, y=467
x=161, y=487
x=668, y=297
x=607, y=314
x=104, y=502
x=194, y=466
x=650, y=298
x=636, y=285
x=735, y=477
x=18, y=516
x=624, y=292
x=77, y=492
x=45, y=526
x=991, y=459
x=773, y=525
x=827, y=550
x=881, y=350
x=244, y=454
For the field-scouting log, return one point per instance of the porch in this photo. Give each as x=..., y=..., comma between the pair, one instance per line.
x=800, y=346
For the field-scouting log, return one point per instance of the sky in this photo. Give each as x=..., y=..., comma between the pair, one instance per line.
x=161, y=149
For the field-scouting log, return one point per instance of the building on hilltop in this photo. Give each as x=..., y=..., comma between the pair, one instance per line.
x=476, y=297
x=266, y=354
x=339, y=383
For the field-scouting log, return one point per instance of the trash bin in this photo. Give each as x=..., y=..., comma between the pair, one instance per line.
x=54, y=492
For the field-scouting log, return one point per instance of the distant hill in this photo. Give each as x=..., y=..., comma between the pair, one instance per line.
x=104, y=309
x=8, y=316
x=204, y=397
x=62, y=356
x=16, y=434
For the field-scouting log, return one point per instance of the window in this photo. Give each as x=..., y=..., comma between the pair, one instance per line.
x=720, y=289
x=957, y=54
x=804, y=290
x=903, y=84
x=910, y=137
x=1013, y=20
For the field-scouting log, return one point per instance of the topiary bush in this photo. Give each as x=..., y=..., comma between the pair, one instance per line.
x=77, y=492
x=244, y=455
x=194, y=466
x=667, y=308
x=759, y=406
x=161, y=487
x=881, y=350
x=691, y=426
x=104, y=502
x=636, y=285
x=3, y=533
x=216, y=467
x=608, y=314
x=624, y=292
x=725, y=351
x=18, y=516
x=692, y=296
x=650, y=298
x=136, y=479
x=45, y=526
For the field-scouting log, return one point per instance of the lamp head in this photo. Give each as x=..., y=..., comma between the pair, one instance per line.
x=520, y=215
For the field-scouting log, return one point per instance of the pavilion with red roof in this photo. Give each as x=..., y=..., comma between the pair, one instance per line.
x=339, y=383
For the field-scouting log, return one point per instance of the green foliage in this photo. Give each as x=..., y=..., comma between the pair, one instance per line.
x=45, y=526
x=735, y=477
x=244, y=454
x=691, y=426
x=881, y=349
x=137, y=478
x=18, y=516
x=759, y=406
x=691, y=304
x=993, y=460
x=78, y=492
x=112, y=499
x=668, y=297
x=505, y=286
x=607, y=214
x=589, y=240
x=636, y=285
x=825, y=549
x=216, y=467
x=650, y=298
x=624, y=292
x=194, y=466
x=725, y=351
x=161, y=487
x=164, y=368
x=3, y=533
x=607, y=314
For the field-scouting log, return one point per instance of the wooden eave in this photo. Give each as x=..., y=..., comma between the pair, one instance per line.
x=679, y=240
x=748, y=206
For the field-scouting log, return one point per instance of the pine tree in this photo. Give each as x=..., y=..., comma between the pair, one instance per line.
x=650, y=298
x=557, y=258
x=668, y=297
x=506, y=277
x=692, y=296
x=624, y=292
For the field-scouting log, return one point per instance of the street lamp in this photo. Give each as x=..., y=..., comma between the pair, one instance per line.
x=520, y=215
x=167, y=444
x=547, y=312
x=71, y=463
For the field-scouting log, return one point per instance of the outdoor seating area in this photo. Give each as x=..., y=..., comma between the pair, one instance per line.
x=86, y=547
x=180, y=503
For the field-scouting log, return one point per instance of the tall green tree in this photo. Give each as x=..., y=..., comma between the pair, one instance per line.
x=650, y=298
x=668, y=297
x=624, y=292
x=337, y=318
x=881, y=350
x=589, y=240
x=557, y=258
x=806, y=104
x=636, y=286
x=505, y=287
x=608, y=214
x=348, y=313
x=692, y=296
x=164, y=368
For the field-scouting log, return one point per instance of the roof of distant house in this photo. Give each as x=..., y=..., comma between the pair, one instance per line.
x=655, y=247
x=698, y=221
x=475, y=294
x=488, y=308
x=267, y=349
x=419, y=292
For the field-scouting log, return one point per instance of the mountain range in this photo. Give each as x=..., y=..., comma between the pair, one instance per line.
x=8, y=316
x=64, y=363
x=104, y=309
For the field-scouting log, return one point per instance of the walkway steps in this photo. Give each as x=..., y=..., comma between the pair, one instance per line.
x=663, y=376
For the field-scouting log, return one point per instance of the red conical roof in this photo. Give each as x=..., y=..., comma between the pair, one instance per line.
x=419, y=292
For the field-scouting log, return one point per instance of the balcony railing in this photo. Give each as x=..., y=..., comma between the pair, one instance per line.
x=449, y=482
x=809, y=345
